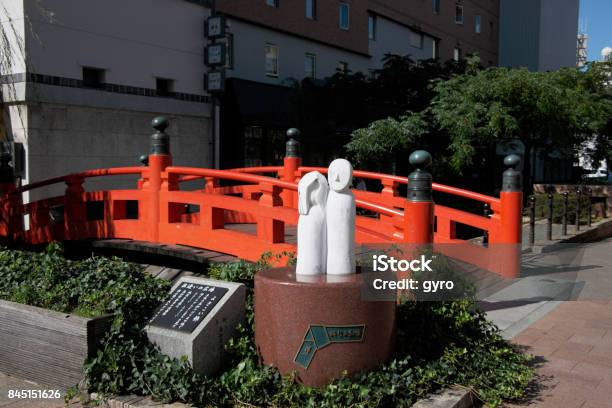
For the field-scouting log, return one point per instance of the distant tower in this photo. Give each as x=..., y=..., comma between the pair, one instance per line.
x=582, y=45
x=606, y=54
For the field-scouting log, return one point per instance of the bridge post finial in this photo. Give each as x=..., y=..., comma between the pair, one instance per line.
x=419, y=181
x=160, y=141
x=292, y=146
x=512, y=179
x=419, y=213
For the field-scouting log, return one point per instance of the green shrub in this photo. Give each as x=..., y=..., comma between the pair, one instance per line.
x=439, y=343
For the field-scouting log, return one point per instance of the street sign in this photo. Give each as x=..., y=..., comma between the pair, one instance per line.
x=215, y=81
x=215, y=55
x=215, y=27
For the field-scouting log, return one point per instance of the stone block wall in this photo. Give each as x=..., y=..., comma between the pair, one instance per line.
x=61, y=139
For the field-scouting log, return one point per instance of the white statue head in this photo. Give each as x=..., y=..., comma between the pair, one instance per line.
x=340, y=175
x=312, y=190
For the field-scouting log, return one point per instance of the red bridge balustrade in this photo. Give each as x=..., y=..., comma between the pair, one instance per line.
x=246, y=212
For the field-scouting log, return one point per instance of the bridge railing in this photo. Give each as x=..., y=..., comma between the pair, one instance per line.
x=248, y=211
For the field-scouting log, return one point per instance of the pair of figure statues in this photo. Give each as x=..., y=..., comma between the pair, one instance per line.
x=326, y=227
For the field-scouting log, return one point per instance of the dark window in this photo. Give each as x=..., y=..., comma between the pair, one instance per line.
x=93, y=77
x=457, y=54
x=459, y=13
x=344, y=16
x=436, y=6
x=372, y=27
x=311, y=9
x=273, y=3
x=164, y=87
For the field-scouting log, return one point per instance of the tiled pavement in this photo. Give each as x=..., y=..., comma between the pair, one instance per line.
x=574, y=342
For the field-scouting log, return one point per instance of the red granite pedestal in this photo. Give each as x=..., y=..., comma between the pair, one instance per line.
x=321, y=327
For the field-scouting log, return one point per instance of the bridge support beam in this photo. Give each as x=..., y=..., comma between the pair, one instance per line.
x=159, y=159
x=511, y=232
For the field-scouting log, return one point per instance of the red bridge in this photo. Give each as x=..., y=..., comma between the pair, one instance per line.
x=246, y=212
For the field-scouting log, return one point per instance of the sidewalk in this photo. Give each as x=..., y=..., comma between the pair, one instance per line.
x=574, y=343
x=571, y=340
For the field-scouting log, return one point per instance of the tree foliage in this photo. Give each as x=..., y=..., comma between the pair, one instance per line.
x=465, y=114
x=545, y=110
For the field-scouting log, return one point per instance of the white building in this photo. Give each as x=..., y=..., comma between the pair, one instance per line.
x=95, y=73
x=85, y=77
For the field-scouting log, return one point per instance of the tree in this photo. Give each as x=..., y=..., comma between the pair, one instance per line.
x=330, y=110
x=544, y=110
x=470, y=112
x=382, y=140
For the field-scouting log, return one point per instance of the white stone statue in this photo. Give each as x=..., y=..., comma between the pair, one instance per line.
x=340, y=215
x=312, y=231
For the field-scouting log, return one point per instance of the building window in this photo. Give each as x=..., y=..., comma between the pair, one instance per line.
x=477, y=24
x=164, y=87
x=344, y=16
x=311, y=9
x=271, y=60
x=93, y=77
x=416, y=39
x=457, y=54
x=310, y=65
x=272, y=3
x=436, y=6
x=458, y=13
x=342, y=67
x=491, y=29
x=372, y=27
x=435, y=52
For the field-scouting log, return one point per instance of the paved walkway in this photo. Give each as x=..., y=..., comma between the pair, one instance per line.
x=574, y=345
x=572, y=339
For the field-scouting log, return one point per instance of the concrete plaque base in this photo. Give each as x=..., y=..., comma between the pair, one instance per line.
x=319, y=326
x=202, y=343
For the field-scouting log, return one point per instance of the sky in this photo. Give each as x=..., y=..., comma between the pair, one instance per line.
x=596, y=15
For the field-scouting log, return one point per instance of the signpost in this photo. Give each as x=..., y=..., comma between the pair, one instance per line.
x=215, y=55
x=215, y=26
x=215, y=81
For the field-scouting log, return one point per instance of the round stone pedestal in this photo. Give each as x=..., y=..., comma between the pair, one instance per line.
x=319, y=326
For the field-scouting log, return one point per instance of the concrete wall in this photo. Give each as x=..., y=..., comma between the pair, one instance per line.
x=135, y=40
x=420, y=14
x=62, y=139
x=538, y=34
x=394, y=38
x=558, y=34
x=249, y=51
x=12, y=19
x=249, y=55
